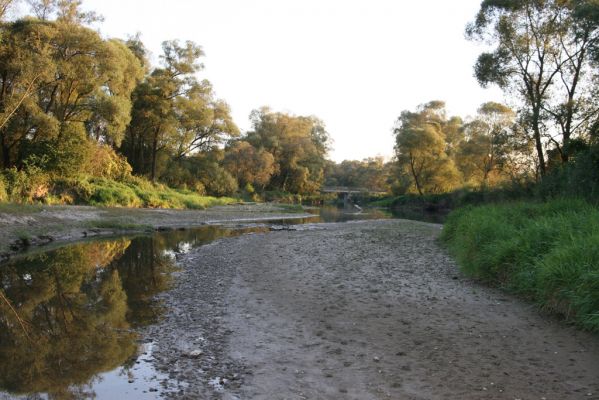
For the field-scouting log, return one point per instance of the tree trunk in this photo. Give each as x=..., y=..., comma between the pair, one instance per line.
x=538, y=142
x=154, y=153
x=5, y=153
x=415, y=177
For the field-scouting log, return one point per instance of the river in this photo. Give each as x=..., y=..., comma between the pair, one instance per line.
x=70, y=315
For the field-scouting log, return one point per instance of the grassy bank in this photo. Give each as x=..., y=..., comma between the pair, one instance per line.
x=84, y=190
x=548, y=252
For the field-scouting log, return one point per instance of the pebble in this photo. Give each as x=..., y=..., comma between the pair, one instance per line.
x=195, y=353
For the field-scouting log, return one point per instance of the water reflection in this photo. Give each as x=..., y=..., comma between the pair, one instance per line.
x=63, y=319
x=67, y=316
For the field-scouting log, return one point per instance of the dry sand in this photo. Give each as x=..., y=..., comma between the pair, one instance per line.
x=364, y=310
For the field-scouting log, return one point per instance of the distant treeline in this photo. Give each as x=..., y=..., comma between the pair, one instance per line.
x=76, y=109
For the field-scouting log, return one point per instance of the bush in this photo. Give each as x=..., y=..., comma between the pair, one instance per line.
x=27, y=185
x=548, y=252
x=106, y=163
x=23, y=187
x=111, y=193
x=580, y=177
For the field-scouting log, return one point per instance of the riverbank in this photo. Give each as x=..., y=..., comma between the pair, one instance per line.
x=362, y=310
x=547, y=252
x=23, y=227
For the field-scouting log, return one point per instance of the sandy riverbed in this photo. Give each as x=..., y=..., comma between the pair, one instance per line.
x=365, y=310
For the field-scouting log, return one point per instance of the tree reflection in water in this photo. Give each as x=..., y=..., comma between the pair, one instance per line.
x=69, y=314
x=76, y=307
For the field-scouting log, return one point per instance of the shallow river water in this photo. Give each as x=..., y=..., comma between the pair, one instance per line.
x=69, y=315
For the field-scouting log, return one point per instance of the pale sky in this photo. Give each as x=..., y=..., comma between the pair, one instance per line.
x=356, y=64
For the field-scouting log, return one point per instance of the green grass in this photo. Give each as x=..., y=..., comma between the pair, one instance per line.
x=19, y=209
x=547, y=252
x=291, y=208
x=135, y=192
x=384, y=202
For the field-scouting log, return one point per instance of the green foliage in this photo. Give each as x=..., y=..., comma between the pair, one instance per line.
x=141, y=193
x=544, y=53
x=248, y=164
x=3, y=193
x=580, y=177
x=372, y=173
x=298, y=145
x=424, y=144
x=80, y=107
x=26, y=185
x=175, y=116
x=544, y=251
x=35, y=187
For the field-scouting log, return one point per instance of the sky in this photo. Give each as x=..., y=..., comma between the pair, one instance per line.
x=355, y=64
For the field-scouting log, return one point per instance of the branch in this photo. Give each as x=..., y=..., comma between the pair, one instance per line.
x=19, y=319
x=25, y=95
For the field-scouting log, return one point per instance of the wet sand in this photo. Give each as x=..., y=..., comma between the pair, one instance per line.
x=361, y=310
x=42, y=225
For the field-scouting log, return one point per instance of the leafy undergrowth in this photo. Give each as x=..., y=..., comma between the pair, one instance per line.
x=548, y=252
x=133, y=192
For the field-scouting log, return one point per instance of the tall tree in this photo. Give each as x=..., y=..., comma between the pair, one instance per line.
x=299, y=145
x=249, y=165
x=421, y=149
x=174, y=115
x=482, y=157
x=26, y=60
x=154, y=120
x=542, y=53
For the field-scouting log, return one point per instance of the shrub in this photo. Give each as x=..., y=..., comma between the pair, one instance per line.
x=26, y=185
x=106, y=163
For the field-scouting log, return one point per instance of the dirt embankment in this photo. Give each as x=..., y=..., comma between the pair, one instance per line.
x=30, y=226
x=366, y=310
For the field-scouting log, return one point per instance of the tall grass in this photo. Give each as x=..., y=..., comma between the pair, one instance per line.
x=546, y=251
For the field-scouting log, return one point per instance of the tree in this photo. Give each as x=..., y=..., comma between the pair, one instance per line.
x=174, y=115
x=421, y=149
x=249, y=165
x=482, y=157
x=62, y=84
x=371, y=173
x=298, y=144
x=203, y=121
x=542, y=53
x=26, y=60
x=154, y=121
x=64, y=10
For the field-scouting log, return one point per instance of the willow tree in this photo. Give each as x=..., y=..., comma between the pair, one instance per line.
x=542, y=54
x=298, y=144
x=63, y=87
x=483, y=156
x=248, y=164
x=421, y=149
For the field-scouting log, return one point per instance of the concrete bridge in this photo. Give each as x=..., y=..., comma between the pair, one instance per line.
x=347, y=193
x=343, y=189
